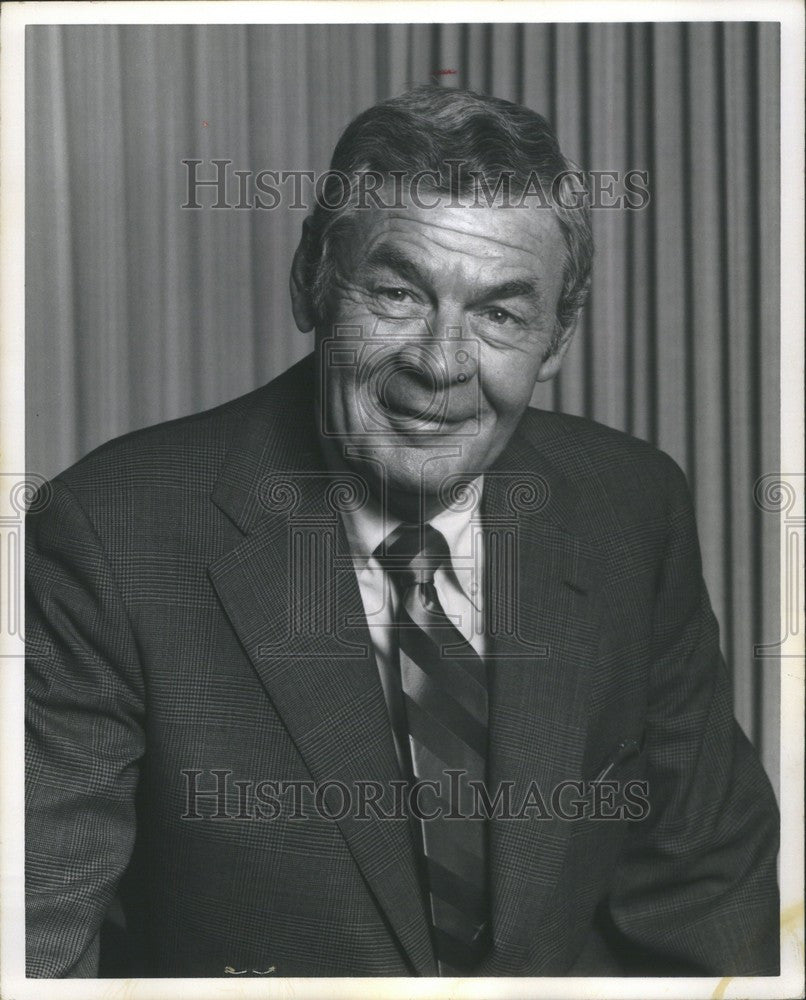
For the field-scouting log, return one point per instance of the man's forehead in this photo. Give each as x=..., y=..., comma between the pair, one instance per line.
x=485, y=231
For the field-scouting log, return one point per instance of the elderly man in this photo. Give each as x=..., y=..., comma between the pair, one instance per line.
x=377, y=671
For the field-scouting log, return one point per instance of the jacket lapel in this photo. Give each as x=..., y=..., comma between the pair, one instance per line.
x=541, y=582
x=290, y=592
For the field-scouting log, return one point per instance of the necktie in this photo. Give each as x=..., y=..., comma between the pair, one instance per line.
x=444, y=688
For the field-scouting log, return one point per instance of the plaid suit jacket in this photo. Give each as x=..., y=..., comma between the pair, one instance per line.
x=179, y=656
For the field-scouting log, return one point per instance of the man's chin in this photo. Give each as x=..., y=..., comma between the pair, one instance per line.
x=409, y=485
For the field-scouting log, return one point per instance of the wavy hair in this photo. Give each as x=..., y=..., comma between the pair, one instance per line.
x=428, y=129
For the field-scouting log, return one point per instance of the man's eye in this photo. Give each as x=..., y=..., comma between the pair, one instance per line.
x=499, y=317
x=396, y=294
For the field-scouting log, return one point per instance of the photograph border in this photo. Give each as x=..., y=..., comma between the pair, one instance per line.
x=15, y=16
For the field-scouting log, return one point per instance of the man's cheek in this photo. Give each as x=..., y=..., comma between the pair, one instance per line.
x=506, y=390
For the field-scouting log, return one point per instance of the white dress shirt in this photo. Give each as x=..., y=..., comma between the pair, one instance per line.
x=459, y=586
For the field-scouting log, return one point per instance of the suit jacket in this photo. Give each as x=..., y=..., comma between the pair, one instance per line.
x=175, y=644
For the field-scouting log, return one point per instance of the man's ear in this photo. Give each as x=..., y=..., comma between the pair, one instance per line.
x=300, y=296
x=551, y=365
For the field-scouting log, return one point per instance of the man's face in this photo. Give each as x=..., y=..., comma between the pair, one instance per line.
x=451, y=314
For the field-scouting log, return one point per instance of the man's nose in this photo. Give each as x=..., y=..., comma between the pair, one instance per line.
x=443, y=353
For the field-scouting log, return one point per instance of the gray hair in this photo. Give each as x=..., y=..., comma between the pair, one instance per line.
x=431, y=129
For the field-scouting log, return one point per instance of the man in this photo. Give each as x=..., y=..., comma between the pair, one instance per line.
x=377, y=671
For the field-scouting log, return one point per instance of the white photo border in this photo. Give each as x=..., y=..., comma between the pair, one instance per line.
x=15, y=17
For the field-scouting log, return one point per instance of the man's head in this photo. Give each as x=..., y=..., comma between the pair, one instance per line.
x=443, y=281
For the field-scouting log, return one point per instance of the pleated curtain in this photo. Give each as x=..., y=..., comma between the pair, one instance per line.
x=139, y=310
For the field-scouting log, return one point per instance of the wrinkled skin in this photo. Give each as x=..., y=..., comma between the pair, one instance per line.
x=422, y=406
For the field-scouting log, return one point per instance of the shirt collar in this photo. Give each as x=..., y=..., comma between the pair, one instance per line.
x=367, y=527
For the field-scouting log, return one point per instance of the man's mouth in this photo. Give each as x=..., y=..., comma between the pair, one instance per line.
x=432, y=416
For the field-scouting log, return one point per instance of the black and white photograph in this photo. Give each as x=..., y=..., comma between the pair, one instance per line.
x=402, y=500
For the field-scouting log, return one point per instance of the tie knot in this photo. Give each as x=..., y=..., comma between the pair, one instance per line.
x=412, y=553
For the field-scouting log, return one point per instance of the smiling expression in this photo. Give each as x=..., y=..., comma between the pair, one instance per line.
x=452, y=317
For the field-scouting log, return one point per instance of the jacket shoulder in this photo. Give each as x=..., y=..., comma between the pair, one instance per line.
x=610, y=470
x=578, y=443
x=185, y=453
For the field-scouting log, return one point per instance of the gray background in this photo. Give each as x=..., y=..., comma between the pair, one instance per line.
x=139, y=311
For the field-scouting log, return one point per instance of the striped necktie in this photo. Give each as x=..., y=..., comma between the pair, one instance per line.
x=444, y=688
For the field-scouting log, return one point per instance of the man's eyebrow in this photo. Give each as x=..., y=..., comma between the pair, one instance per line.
x=395, y=260
x=515, y=289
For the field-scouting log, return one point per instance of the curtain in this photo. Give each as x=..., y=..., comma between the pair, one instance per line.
x=139, y=310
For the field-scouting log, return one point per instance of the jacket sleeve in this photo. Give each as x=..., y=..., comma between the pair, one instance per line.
x=84, y=738
x=696, y=890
